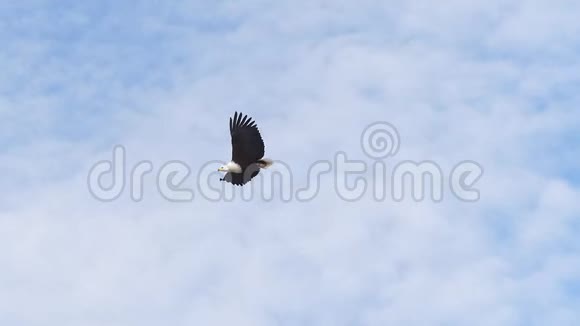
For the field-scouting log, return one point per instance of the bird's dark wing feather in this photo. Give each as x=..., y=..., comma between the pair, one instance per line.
x=240, y=179
x=247, y=144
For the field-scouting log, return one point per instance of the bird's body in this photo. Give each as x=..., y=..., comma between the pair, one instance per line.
x=247, y=151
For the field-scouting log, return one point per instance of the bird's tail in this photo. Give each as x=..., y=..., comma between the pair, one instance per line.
x=265, y=163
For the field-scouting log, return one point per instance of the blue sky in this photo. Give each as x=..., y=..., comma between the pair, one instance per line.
x=493, y=82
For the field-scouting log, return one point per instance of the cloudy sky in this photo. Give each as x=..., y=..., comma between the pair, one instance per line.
x=495, y=82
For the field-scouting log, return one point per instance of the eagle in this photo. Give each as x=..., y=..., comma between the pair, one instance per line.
x=247, y=151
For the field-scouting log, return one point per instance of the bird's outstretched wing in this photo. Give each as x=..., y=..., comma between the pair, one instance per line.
x=247, y=144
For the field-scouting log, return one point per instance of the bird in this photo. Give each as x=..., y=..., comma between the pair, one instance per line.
x=247, y=151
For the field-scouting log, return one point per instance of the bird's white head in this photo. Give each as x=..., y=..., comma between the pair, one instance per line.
x=232, y=167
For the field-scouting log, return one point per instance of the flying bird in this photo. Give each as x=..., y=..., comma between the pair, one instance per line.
x=247, y=151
